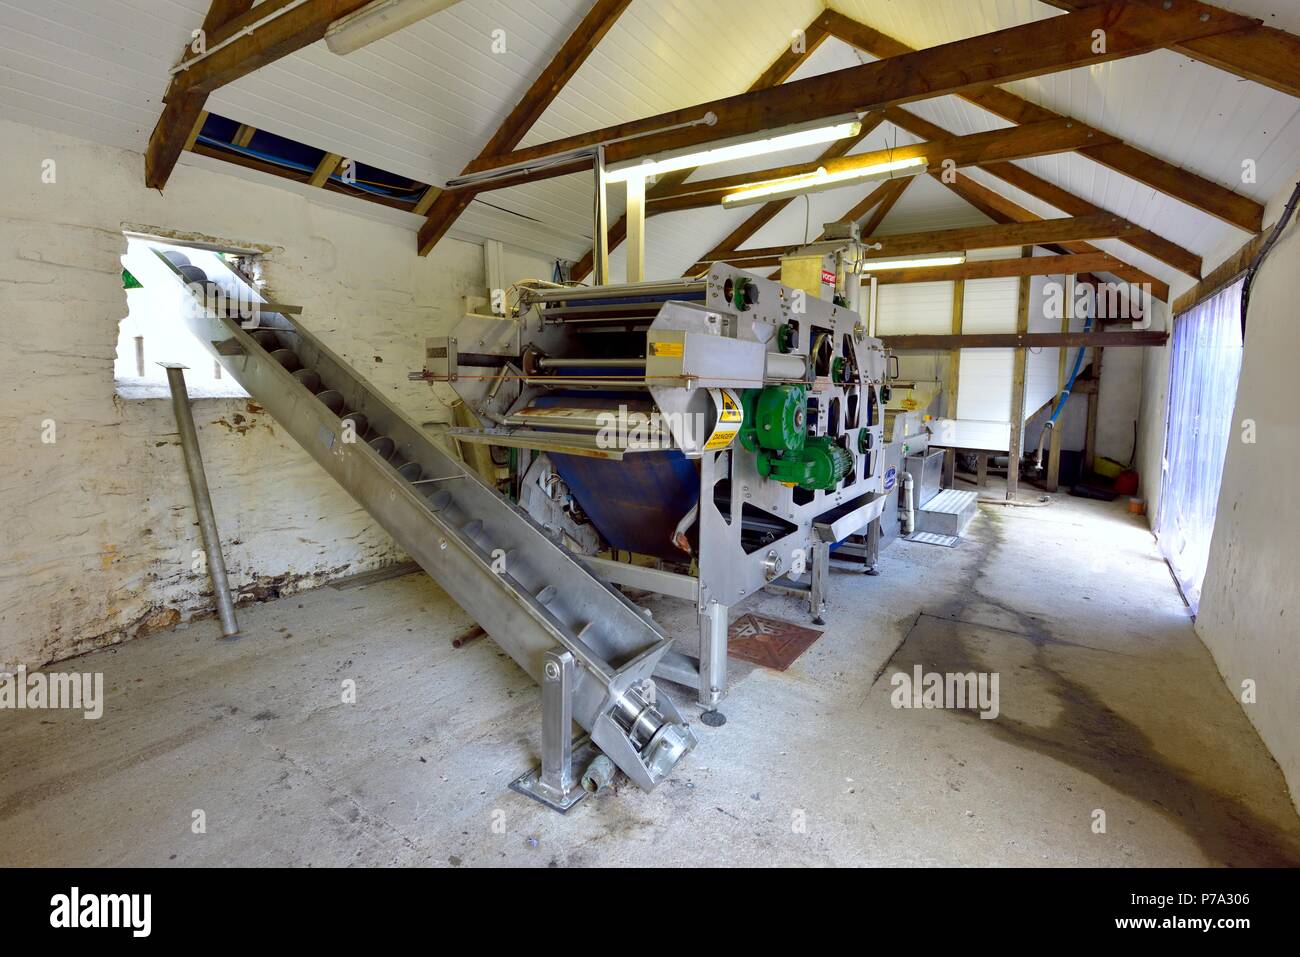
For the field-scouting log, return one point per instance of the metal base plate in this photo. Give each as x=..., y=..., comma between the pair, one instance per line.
x=768, y=642
x=530, y=784
x=933, y=538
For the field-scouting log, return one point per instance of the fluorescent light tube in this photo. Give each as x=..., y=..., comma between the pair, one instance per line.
x=377, y=20
x=820, y=180
x=877, y=265
x=735, y=151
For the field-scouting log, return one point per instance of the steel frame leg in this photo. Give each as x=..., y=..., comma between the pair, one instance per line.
x=555, y=783
x=871, y=548
x=818, y=572
x=713, y=662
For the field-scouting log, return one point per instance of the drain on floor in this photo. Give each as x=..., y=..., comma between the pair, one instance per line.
x=768, y=642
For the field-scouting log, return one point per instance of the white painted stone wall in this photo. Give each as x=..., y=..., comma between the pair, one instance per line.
x=1250, y=603
x=98, y=527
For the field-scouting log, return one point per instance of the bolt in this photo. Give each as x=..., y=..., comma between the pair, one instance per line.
x=552, y=671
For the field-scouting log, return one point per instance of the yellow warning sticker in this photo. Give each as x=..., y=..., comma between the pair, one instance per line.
x=731, y=411
x=672, y=350
x=720, y=439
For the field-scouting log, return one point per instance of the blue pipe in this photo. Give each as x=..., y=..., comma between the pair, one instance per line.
x=1074, y=374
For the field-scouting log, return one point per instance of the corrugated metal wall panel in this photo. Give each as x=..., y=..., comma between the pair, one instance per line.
x=914, y=309
x=984, y=375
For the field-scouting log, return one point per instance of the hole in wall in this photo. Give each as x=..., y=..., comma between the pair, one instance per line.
x=153, y=332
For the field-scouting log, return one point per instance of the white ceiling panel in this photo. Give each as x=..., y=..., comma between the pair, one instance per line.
x=422, y=102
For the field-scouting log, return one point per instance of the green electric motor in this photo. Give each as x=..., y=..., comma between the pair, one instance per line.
x=775, y=418
x=820, y=464
x=776, y=429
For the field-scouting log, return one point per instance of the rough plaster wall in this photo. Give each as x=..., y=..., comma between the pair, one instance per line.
x=1250, y=603
x=1119, y=402
x=98, y=526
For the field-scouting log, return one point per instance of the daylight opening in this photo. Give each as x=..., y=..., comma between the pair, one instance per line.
x=153, y=333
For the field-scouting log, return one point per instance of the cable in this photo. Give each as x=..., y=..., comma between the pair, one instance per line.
x=1264, y=251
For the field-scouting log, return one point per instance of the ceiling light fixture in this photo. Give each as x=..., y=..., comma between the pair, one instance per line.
x=736, y=151
x=879, y=265
x=377, y=20
x=820, y=180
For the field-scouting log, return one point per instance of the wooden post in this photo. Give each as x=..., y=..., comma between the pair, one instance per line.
x=1017, y=446
x=1094, y=395
x=950, y=385
x=1062, y=370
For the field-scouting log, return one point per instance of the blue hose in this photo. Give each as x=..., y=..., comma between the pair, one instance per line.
x=1074, y=374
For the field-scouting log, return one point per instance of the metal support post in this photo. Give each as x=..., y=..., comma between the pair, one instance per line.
x=600, y=244
x=555, y=783
x=634, y=215
x=713, y=662
x=871, y=548
x=202, y=500
x=818, y=572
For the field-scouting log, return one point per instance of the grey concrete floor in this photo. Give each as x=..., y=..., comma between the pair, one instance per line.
x=1109, y=703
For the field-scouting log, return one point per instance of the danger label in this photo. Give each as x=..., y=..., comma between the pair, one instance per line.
x=731, y=411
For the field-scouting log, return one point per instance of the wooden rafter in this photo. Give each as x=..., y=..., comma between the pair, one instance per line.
x=1027, y=233
x=1181, y=184
x=780, y=70
x=1031, y=49
x=1002, y=210
x=257, y=37
x=1263, y=54
x=183, y=115
x=1018, y=142
x=239, y=38
x=883, y=197
x=1148, y=242
x=543, y=91
x=894, y=191
x=767, y=211
x=1002, y=268
x=325, y=169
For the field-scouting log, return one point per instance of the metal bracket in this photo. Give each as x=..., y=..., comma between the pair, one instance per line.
x=555, y=783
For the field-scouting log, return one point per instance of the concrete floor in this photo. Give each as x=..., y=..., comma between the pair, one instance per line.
x=1108, y=702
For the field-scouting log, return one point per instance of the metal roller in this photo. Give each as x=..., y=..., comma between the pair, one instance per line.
x=383, y=446
x=669, y=287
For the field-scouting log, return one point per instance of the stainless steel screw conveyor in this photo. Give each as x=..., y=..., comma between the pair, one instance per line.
x=727, y=430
